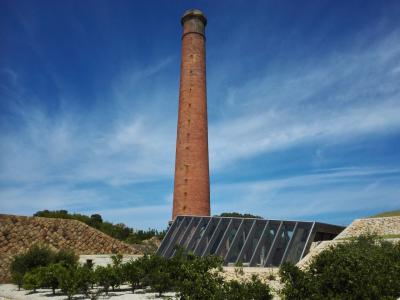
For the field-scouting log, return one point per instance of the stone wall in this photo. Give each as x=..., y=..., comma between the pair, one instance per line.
x=18, y=234
x=387, y=226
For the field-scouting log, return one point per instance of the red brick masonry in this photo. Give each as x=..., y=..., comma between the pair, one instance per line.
x=192, y=183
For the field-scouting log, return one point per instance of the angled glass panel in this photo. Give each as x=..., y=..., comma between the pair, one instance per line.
x=227, y=238
x=190, y=232
x=280, y=245
x=239, y=241
x=198, y=233
x=299, y=242
x=174, y=241
x=206, y=236
x=266, y=243
x=252, y=242
x=216, y=238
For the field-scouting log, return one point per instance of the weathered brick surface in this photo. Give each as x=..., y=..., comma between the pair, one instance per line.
x=192, y=184
x=18, y=234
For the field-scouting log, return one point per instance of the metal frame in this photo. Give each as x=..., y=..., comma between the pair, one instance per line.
x=234, y=238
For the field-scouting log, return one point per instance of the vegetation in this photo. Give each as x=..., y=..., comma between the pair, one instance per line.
x=189, y=276
x=239, y=215
x=364, y=268
x=36, y=257
x=119, y=231
x=393, y=213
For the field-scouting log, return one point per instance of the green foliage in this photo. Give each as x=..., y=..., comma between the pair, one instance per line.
x=133, y=273
x=103, y=277
x=32, y=280
x=119, y=231
x=66, y=257
x=364, y=268
x=239, y=215
x=251, y=289
x=37, y=258
x=70, y=280
x=49, y=276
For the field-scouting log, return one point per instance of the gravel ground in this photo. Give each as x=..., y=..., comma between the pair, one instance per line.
x=10, y=292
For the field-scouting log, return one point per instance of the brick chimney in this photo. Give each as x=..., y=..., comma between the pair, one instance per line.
x=192, y=181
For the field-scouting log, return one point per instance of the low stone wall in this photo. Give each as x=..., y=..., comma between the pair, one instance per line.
x=387, y=227
x=18, y=234
x=380, y=226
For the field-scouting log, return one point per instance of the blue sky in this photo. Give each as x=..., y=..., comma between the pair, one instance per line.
x=303, y=103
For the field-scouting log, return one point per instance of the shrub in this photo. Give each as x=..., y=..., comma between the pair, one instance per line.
x=102, y=275
x=49, y=276
x=364, y=268
x=253, y=289
x=133, y=273
x=39, y=256
x=70, y=280
x=32, y=280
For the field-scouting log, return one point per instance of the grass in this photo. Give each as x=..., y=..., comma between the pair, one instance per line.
x=393, y=213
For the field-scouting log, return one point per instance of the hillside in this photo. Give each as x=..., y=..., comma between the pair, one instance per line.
x=19, y=233
x=393, y=213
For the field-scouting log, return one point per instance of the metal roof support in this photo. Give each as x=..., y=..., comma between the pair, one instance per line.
x=247, y=241
x=192, y=242
x=197, y=250
x=310, y=239
x=182, y=238
x=274, y=244
x=171, y=244
x=259, y=245
x=289, y=244
x=168, y=235
x=224, y=237
x=234, y=241
x=213, y=237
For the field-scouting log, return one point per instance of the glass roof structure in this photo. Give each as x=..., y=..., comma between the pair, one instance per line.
x=252, y=242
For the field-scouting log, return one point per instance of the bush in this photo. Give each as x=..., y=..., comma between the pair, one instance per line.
x=36, y=257
x=133, y=273
x=253, y=289
x=49, y=276
x=364, y=268
x=32, y=280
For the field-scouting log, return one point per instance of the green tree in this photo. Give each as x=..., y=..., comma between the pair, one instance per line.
x=364, y=268
x=103, y=278
x=49, y=276
x=32, y=280
x=69, y=280
x=133, y=273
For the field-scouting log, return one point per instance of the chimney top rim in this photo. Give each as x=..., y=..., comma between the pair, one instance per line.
x=194, y=14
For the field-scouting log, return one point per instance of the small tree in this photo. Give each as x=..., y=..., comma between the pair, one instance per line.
x=133, y=273
x=18, y=270
x=32, y=280
x=49, y=276
x=66, y=257
x=364, y=268
x=102, y=275
x=69, y=281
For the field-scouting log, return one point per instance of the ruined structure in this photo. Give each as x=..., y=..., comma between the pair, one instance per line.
x=192, y=183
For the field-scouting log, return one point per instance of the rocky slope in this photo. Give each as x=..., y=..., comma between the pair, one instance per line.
x=18, y=234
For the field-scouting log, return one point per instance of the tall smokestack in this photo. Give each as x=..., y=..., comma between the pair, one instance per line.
x=192, y=181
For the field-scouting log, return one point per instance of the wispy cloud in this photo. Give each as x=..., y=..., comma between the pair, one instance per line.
x=313, y=196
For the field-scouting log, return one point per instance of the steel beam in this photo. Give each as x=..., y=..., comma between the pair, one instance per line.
x=289, y=244
x=247, y=241
x=234, y=241
x=259, y=244
x=192, y=242
x=274, y=244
